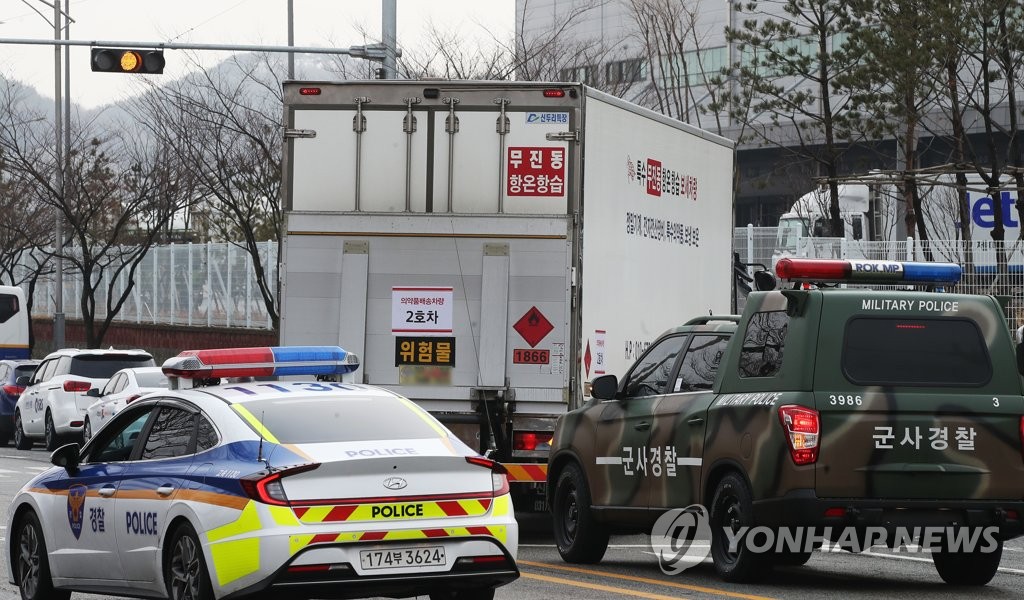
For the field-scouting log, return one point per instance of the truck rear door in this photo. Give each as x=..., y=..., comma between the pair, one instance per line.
x=919, y=397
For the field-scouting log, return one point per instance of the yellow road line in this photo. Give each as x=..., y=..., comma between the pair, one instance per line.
x=600, y=588
x=672, y=584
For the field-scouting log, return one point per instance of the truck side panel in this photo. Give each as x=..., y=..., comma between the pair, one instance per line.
x=657, y=201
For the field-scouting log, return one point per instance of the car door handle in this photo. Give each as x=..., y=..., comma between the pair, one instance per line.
x=642, y=426
x=107, y=491
x=696, y=421
x=165, y=490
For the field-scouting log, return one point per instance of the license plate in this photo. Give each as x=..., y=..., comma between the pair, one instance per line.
x=430, y=556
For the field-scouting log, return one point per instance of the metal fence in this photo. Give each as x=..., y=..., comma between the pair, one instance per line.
x=194, y=285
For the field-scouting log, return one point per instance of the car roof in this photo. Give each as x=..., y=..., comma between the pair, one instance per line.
x=97, y=352
x=241, y=393
x=706, y=324
x=140, y=370
x=20, y=362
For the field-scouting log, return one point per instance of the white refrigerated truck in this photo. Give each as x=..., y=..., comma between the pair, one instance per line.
x=487, y=248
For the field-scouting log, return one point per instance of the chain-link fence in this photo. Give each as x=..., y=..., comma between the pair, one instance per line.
x=195, y=285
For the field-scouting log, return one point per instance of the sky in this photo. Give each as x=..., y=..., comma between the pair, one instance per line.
x=317, y=23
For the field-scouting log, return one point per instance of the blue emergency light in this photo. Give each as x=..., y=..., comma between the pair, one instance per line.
x=867, y=271
x=265, y=361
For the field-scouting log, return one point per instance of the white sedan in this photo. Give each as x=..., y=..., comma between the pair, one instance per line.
x=125, y=386
x=282, y=489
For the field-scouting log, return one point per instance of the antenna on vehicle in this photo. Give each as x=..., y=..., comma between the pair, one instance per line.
x=259, y=452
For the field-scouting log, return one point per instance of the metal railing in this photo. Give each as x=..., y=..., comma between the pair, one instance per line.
x=195, y=285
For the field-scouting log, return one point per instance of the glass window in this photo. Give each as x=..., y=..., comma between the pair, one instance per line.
x=763, y=343
x=700, y=363
x=170, y=435
x=114, y=385
x=24, y=371
x=9, y=306
x=923, y=352
x=651, y=374
x=63, y=366
x=341, y=419
x=156, y=379
x=45, y=370
x=117, y=439
x=206, y=435
x=103, y=366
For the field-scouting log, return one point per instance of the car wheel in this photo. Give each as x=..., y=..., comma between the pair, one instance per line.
x=52, y=439
x=31, y=567
x=21, y=441
x=732, y=509
x=86, y=430
x=579, y=537
x=977, y=567
x=482, y=594
x=184, y=569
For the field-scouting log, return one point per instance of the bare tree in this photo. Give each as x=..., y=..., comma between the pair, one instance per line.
x=223, y=125
x=115, y=200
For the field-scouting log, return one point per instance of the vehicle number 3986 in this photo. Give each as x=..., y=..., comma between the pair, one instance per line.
x=841, y=400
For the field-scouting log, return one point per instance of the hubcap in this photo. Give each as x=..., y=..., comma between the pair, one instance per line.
x=49, y=431
x=572, y=515
x=185, y=570
x=732, y=518
x=18, y=433
x=28, y=561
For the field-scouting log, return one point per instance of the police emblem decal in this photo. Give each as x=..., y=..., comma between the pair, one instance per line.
x=76, y=508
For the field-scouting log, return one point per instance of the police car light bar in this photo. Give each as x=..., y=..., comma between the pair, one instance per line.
x=266, y=361
x=867, y=271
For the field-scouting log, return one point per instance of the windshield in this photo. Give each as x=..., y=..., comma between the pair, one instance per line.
x=104, y=366
x=342, y=419
x=790, y=229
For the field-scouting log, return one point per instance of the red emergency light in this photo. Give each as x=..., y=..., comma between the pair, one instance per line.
x=263, y=361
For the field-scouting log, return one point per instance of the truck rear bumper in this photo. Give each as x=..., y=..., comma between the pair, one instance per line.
x=802, y=508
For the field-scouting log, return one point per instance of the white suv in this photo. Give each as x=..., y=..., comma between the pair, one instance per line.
x=54, y=404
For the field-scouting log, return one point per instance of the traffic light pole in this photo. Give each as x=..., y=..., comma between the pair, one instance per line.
x=369, y=52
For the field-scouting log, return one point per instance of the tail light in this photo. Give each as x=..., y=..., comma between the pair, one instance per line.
x=267, y=488
x=13, y=390
x=1022, y=437
x=532, y=440
x=803, y=429
x=499, y=477
x=77, y=386
x=132, y=398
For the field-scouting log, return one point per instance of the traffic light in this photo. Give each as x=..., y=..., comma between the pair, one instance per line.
x=124, y=60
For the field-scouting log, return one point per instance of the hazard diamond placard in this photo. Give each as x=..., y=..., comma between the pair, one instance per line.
x=533, y=326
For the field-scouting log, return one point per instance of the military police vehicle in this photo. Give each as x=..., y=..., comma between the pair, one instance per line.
x=857, y=416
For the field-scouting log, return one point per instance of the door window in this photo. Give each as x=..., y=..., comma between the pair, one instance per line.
x=700, y=363
x=118, y=439
x=206, y=435
x=651, y=374
x=763, y=344
x=171, y=434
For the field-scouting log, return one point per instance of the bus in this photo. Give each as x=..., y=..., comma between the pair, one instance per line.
x=13, y=323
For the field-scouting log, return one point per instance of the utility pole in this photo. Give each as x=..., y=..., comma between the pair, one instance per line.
x=389, y=29
x=291, y=39
x=58, y=118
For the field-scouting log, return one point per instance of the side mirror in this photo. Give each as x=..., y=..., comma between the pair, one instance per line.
x=23, y=381
x=764, y=281
x=93, y=392
x=66, y=456
x=605, y=387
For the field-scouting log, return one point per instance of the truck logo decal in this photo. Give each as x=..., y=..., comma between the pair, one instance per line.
x=536, y=118
x=536, y=171
x=658, y=179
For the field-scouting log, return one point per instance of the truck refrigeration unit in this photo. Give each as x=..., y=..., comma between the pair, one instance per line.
x=487, y=248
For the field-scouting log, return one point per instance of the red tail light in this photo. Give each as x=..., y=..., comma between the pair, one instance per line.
x=554, y=93
x=499, y=479
x=77, y=386
x=13, y=390
x=267, y=488
x=1022, y=437
x=803, y=429
x=532, y=440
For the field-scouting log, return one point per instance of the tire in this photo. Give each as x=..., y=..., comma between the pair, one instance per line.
x=578, y=536
x=52, y=439
x=732, y=507
x=975, y=568
x=31, y=566
x=21, y=441
x=185, y=571
x=482, y=594
x=86, y=431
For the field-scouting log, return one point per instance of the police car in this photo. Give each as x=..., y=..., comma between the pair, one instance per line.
x=305, y=488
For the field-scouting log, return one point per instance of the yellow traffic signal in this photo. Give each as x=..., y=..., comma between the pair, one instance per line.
x=123, y=60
